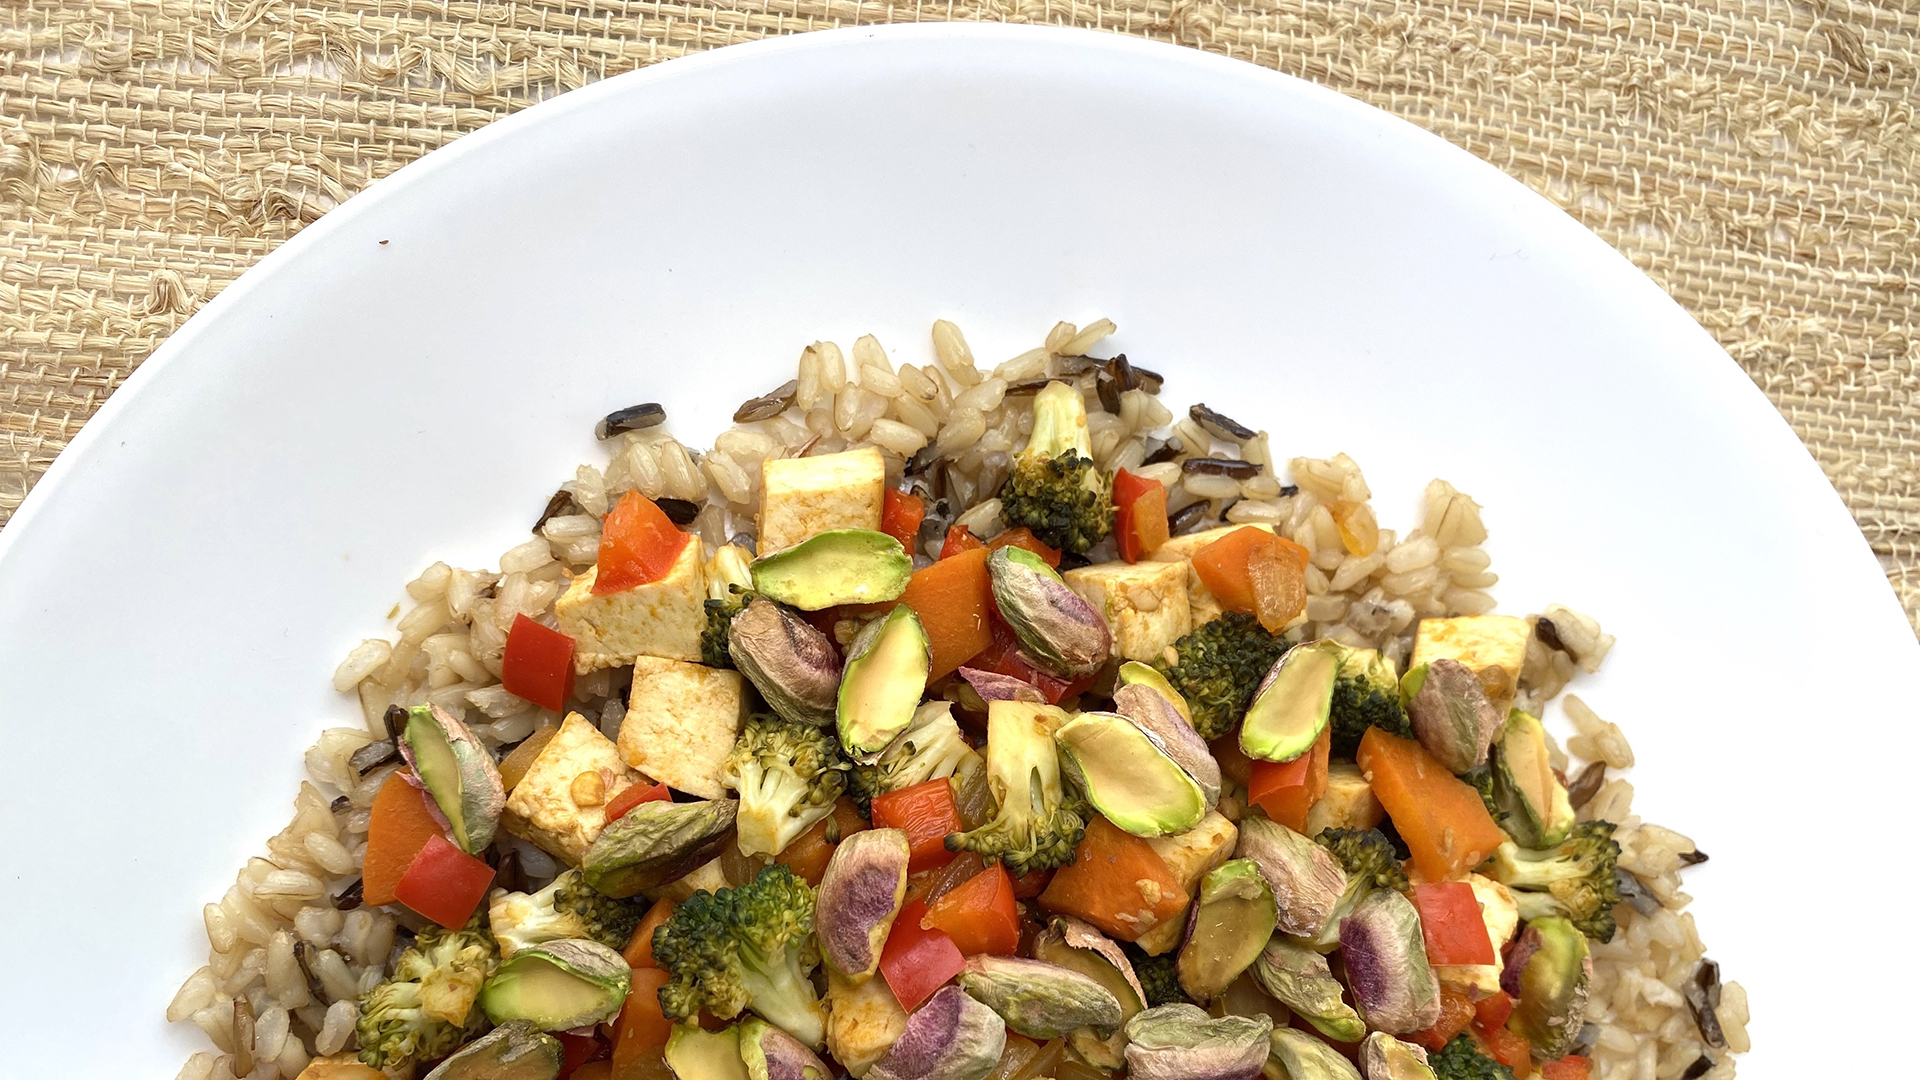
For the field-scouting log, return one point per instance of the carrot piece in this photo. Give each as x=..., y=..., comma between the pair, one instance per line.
x=638, y=544
x=1222, y=565
x=953, y=598
x=641, y=1026
x=1023, y=537
x=900, y=517
x=929, y=886
x=1456, y=1015
x=1117, y=882
x=959, y=539
x=401, y=824
x=807, y=857
x=639, y=950
x=1492, y=1011
x=926, y=813
x=1441, y=818
x=1571, y=1067
x=1508, y=1048
x=1287, y=790
x=979, y=914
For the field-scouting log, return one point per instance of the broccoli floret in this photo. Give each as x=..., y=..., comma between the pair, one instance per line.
x=929, y=749
x=1368, y=858
x=1038, y=819
x=1218, y=667
x=1054, y=487
x=1367, y=694
x=1158, y=977
x=1573, y=880
x=1460, y=1059
x=1481, y=780
x=427, y=1007
x=568, y=908
x=788, y=775
x=720, y=613
x=748, y=947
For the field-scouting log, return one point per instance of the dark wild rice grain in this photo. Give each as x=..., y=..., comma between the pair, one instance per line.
x=632, y=418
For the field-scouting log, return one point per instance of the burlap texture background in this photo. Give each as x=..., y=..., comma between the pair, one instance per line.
x=1759, y=158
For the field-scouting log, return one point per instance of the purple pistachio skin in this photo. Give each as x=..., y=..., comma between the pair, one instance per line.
x=1156, y=716
x=859, y=895
x=993, y=686
x=1386, y=960
x=772, y=1054
x=951, y=1037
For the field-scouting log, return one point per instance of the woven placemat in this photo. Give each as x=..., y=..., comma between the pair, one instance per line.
x=1759, y=158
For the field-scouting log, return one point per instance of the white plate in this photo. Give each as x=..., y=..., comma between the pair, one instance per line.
x=409, y=379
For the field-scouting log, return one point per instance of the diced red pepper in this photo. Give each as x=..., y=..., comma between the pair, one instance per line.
x=575, y=1051
x=638, y=544
x=917, y=960
x=1571, y=1067
x=538, y=664
x=979, y=914
x=1031, y=884
x=633, y=796
x=1456, y=1016
x=444, y=883
x=1451, y=923
x=1003, y=658
x=959, y=539
x=1493, y=1011
x=1286, y=790
x=1023, y=537
x=1140, y=515
x=926, y=813
x=1509, y=1048
x=900, y=517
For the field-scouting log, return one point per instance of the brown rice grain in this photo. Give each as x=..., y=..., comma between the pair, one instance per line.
x=1028, y=365
x=900, y=438
x=1092, y=334
x=950, y=345
x=1058, y=337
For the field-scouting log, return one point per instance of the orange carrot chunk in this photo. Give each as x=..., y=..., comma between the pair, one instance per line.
x=1117, y=882
x=401, y=824
x=1441, y=818
x=953, y=598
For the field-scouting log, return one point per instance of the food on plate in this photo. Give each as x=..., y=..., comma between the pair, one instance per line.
x=944, y=723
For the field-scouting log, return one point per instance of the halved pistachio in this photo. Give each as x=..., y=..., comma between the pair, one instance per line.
x=1296, y=1055
x=695, y=1054
x=1161, y=719
x=839, y=566
x=1300, y=979
x=1128, y=777
x=1539, y=813
x=657, y=842
x=516, y=1050
x=558, y=985
x=1228, y=925
x=1450, y=712
x=1181, y=1042
x=951, y=1037
x=1306, y=880
x=1059, y=632
x=886, y=673
x=1386, y=960
x=1038, y=999
x=993, y=686
x=1293, y=703
x=769, y=1053
x=859, y=895
x=1383, y=1057
x=457, y=769
x=1078, y=946
x=793, y=665
x=1550, y=972
x=1135, y=673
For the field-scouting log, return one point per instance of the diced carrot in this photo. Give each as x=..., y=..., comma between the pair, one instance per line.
x=1509, y=1048
x=807, y=856
x=1031, y=884
x=1571, y=1067
x=954, y=599
x=1287, y=790
x=926, y=813
x=1023, y=537
x=1117, y=882
x=1451, y=924
x=592, y=1070
x=642, y=1025
x=900, y=517
x=959, y=539
x=400, y=825
x=1441, y=818
x=1456, y=1015
x=639, y=950
x=638, y=545
x=1222, y=565
x=1140, y=526
x=979, y=914
x=649, y=1065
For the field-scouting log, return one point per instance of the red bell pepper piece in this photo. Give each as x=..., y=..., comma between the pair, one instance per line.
x=1492, y=1012
x=1509, y=1048
x=638, y=544
x=959, y=539
x=1450, y=921
x=1571, y=1067
x=918, y=960
x=1140, y=515
x=979, y=914
x=1031, y=884
x=1286, y=790
x=575, y=1051
x=1002, y=657
x=444, y=883
x=926, y=813
x=633, y=796
x=900, y=517
x=1023, y=537
x=538, y=664
x=641, y=1025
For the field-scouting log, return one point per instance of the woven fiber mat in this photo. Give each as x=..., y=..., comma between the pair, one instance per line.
x=1759, y=158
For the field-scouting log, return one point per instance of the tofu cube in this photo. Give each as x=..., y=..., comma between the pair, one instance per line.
x=1349, y=802
x=1201, y=606
x=1144, y=604
x=682, y=719
x=1493, y=646
x=663, y=618
x=864, y=1020
x=802, y=497
x=542, y=808
x=1191, y=855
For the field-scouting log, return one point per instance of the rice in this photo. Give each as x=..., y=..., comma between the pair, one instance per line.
x=290, y=953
